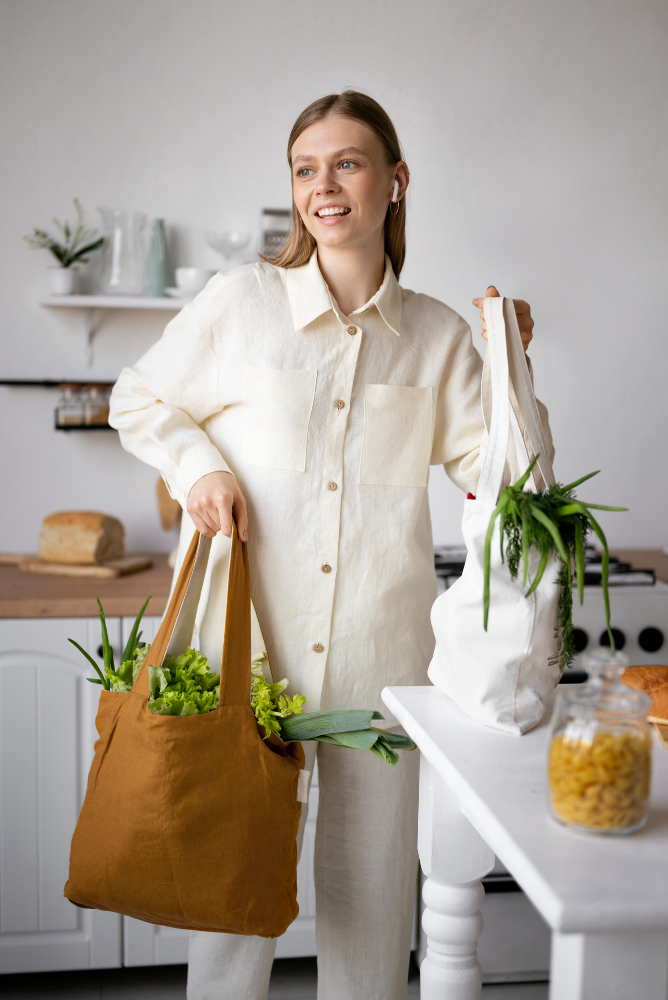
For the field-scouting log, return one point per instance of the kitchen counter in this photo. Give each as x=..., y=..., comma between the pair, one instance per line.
x=655, y=559
x=24, y=595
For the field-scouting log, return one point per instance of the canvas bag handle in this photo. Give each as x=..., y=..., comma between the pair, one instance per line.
x=505, y=363
x=527, y=408
x=495, y=404
x=503, y=329
x=176, y=628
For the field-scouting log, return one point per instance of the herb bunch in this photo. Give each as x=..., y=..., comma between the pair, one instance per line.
x=552, y=521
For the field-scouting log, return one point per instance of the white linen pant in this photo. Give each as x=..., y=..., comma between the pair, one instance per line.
x=365, y=881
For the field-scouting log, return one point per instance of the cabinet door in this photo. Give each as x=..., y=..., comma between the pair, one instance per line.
x=151, y=944
x=47, y=732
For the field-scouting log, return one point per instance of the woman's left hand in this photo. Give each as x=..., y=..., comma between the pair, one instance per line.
x=522, y=309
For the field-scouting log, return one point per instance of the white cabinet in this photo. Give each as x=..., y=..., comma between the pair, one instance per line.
x=47, y=732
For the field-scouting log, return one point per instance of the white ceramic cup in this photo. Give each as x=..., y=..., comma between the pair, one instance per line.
x=192, y=279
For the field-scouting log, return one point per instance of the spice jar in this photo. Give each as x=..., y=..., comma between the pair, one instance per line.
x=70, y=410
x=599, y=756
x=97, y=405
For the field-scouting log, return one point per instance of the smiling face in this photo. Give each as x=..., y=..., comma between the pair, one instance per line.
x=342, y=182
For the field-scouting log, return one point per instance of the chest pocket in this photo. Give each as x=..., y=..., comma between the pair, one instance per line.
x=397, y=435
x=278, y=406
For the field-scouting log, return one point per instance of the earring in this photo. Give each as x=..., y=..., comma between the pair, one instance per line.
x=395, y=201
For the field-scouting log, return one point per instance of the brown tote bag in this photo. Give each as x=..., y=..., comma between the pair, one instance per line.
x=191, y=821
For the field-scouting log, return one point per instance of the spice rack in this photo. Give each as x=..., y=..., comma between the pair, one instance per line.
x=60, y=384
x=95, y=306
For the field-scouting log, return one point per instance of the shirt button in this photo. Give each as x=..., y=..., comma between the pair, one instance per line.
x=339, y=404
x=318, y=648
x=332, y=486
x=352, y=330
x=326, y=568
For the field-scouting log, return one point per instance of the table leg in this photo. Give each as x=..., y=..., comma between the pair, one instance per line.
x=454, y=858
x=626, y=966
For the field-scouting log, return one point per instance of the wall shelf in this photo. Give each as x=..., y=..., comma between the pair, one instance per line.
x=95, y=306
x=51, y=383
x=113, y=302
x=79, y=427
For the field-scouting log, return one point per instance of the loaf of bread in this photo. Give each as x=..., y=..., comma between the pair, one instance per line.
x=652, y=680
x=659, y=710
x=81, y=537
x=647, y=679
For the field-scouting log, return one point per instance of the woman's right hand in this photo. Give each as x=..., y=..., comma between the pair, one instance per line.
x=210, y=504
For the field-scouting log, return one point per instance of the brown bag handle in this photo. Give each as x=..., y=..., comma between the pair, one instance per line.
x=175, y=630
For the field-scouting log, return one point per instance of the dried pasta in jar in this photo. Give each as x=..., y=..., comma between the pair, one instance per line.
x=601, y=782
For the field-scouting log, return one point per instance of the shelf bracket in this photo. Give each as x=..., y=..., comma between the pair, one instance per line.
x=92, y=323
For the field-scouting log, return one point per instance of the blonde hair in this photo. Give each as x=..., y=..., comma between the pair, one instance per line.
x=299, y=243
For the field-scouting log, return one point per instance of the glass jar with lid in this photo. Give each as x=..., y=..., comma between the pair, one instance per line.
x=70, y=411
x=96, y=405
x=599, y=756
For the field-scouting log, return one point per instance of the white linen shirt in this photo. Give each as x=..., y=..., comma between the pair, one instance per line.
x=329, y=423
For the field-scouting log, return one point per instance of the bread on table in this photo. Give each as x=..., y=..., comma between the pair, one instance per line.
x=659, y=710
x=652, y=680
x=647, y=679
x=81, y=537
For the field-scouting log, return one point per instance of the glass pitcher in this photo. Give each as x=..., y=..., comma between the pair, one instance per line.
x=124, y=254
x=599, y=756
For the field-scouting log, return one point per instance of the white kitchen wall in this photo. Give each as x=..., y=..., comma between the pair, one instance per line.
x=536, y=137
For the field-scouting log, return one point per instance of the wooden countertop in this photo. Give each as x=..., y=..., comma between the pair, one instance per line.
x=23, y=595
x=654, y=559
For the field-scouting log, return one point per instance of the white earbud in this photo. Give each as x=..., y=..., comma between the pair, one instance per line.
x=395, y=195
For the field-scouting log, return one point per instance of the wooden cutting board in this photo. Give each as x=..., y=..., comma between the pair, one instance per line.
x=662, y=733
x=115, y=567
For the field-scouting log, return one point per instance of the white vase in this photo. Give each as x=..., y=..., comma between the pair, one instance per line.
x=62, y=280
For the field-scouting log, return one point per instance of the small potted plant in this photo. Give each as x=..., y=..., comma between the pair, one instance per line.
x=69, y=248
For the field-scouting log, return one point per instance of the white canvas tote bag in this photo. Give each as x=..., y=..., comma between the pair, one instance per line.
x=504, y=676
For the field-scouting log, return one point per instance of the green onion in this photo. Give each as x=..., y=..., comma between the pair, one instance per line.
x=579, y=558
x=551, y=522
x=94, y=680
x=133, y=638
x=107, y=651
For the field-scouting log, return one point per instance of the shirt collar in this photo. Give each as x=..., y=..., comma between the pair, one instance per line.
x=310, y=297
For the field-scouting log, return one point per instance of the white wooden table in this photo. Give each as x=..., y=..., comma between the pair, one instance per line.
x=482, y=793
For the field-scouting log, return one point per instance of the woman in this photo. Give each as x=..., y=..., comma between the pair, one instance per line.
x=308, y=395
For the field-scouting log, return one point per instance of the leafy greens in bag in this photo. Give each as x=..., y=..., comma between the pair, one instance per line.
x=268, y=701
x=552, y=521
x=184, y=686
